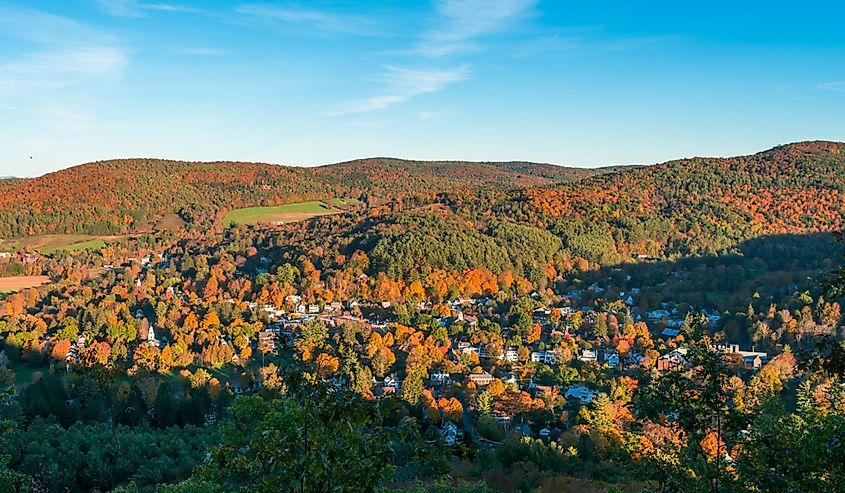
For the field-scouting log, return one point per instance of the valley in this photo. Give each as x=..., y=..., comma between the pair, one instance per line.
x=538, y=332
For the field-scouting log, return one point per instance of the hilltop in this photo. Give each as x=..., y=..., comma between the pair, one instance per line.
x=690, y=206
x=130, y=195
x=386, y=175
x=687, y=206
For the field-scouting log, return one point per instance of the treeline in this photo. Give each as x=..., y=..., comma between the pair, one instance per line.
x=696, y=206
x=119, y=196
x=128, y=195
x=412, y=246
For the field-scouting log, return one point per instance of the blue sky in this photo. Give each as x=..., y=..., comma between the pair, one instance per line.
x=583, y=83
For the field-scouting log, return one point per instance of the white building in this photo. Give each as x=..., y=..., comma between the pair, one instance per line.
x=440, y=378
x=544, y=356
x=151, y=337
x=589, y=356
x=581, y=393
x=451, y=434
x=511, y=355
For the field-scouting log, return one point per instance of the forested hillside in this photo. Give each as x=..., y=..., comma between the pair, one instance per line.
x=534, y=335
x=130, y=195
x=396, y=176
x=690, y=206
x=127, y=195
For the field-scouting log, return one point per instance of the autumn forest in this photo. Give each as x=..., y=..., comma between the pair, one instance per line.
x=452, y=327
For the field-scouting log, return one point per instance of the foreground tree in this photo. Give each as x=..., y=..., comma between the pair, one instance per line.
x=314, y=439
x=10, y=480
x=699, y=403
x=786, y=452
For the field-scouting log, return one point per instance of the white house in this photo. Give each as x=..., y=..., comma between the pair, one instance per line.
x=481, y=379
x=581, y=393
x=673, y=359
x=544, y=356
x=440, y=378
x=451, y=434
x=588, y=356
x=753, y=358
x=511, y=355
x=391, y=382
x=151, y=337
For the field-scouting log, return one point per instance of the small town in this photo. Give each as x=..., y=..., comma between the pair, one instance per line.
x=428, y=246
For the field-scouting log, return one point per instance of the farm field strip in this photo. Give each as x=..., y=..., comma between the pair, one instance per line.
x=285, y=213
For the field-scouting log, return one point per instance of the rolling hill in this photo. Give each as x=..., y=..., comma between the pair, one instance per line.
x=690, y=206
x=120, y=196
x=389, y=176
x=693, y=208
x=129, y=195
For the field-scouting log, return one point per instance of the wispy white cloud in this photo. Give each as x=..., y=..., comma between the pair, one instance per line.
x=838, y=86
x=56, y=63
x=50, y=55
x=59, y=52
x=43, y=28
x=457, y=28
x=136, y=8
x=573, y=39
x=403, y=84
x=165, y=7
x=325, y=21
x=58, y=115
x=420, y=81
x=56, y=51
x=461, y=22
x=369, y=104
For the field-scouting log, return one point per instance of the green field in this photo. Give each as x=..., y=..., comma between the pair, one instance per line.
x=93, y=244
x=286, y=213
x=49, y=244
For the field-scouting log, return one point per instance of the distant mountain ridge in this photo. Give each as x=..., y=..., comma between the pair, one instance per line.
x=690, y=206
x=119, y=196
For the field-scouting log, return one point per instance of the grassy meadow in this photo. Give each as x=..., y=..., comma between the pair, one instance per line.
x=286, y=213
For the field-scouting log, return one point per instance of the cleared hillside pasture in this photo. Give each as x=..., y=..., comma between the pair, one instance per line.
x=287, y=213
x=49, y=244
x=92, y=244
x=16, y=283
x=169, y=222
